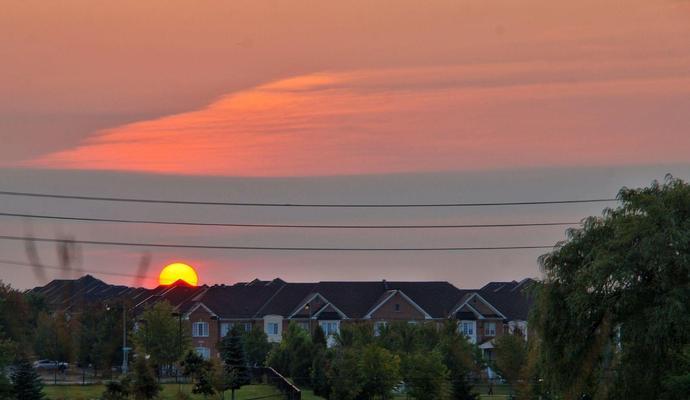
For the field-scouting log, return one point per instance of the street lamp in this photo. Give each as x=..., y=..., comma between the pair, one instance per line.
x=125, y=349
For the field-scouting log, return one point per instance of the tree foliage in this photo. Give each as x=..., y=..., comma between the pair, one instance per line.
x=256, y=347
x=612, y=314
x=234, y=360
x=144, y=385
x=26, y=384
x=160, y=337
x=511, y=356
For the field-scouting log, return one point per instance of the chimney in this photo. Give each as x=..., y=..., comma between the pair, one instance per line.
x=385, y=284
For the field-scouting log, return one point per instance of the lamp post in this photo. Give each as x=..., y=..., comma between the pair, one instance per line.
x=125, y=349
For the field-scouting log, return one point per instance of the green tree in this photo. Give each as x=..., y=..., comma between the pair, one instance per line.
x=54, y=338
x=319, y=338
x=164, y=344
x=511, y=356
x=117, y=389
x=7, y=354
x=459, y=359
x=379, y=372
x=193, y=365
x=235, y=364
x=26, y=384
x=344, y=375
x=612, y=312
x=144, y=383
x=426, y=376
x=319, y=372
x=293, y=356
x=256, y=347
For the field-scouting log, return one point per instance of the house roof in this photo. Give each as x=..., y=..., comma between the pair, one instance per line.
x=512, y=299
x=240, y=300
x=258, y=298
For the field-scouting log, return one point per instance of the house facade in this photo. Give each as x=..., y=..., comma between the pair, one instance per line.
x=210, y=312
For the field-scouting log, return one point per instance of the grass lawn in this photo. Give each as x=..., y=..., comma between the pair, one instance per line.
x=309, y=395
x=89, y=392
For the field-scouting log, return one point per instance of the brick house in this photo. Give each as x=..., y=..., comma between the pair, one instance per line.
x=209, y=313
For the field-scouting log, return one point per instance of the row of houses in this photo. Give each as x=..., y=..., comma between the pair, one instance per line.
x=482, y=314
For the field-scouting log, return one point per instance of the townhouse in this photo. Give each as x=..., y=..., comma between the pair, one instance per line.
x=210, y=312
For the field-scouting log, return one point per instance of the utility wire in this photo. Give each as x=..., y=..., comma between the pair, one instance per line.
x=312, y=205
x=273, y=248
x=26, y=264
x=300, y=226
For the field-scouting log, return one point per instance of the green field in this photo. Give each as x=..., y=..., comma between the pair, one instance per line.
x=89, y=392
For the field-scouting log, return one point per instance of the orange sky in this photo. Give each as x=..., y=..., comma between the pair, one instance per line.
x=433, y=101
x=315, y=88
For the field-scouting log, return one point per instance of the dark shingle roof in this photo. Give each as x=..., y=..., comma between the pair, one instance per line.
x=239, y=300
x=510, y=298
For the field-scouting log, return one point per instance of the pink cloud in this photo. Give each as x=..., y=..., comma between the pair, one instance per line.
x=415, y=119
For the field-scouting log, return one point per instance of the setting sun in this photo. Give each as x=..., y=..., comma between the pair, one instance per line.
x=178, y=271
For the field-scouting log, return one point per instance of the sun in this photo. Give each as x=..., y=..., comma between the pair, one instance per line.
x=178, y=271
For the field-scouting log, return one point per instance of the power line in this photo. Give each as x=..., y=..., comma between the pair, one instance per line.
x=26, y=264
x=311, y=205
x=299, y=226
x=274, y=248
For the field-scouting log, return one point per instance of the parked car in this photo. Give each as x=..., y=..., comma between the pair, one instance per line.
x=50, y=365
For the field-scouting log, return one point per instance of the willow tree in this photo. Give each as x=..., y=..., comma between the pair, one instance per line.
x=612, y=313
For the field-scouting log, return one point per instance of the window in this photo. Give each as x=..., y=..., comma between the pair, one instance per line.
x=247, y=326
x=330, y=327
x=397, y=307
x=204, y=352
x=467, y=328
x=225, y=327
x=200, y=329
x=272, y=328
x=490, y=329
x=379, y=326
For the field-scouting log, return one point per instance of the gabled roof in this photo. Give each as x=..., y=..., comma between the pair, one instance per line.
x=436, y=298
x=465, y=303
x=239, y=301
x=287, y=299
x=511, y=298
x=389, y=294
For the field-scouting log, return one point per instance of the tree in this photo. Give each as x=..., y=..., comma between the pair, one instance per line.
x=235, y=364
x=319, y=338
x=511, y=356
x=26, y=384
x=7, y=354
x=379, y=371
x=117, y=389
x=256, y=347
x=426, y=376
x=459, y=359
x=612, y=312
x=293, y=356
x=161, y=339
x=344, y=375
x=53, y=338
x=144, y=385
x=193, y=365
x=319, y=372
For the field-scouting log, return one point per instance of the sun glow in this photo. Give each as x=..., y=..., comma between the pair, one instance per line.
x=178, y=271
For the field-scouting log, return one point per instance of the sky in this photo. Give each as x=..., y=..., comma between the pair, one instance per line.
x=360, y=101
